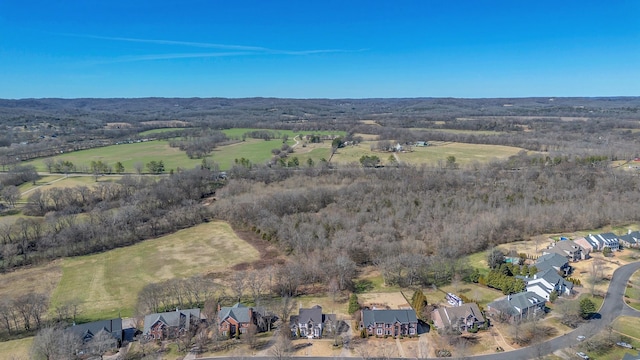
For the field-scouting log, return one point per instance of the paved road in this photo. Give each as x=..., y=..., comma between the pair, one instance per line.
x=612, y=307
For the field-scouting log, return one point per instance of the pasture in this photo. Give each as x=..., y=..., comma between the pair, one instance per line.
x=464, y=153
x=128, y=155
x=160, y=130
x=15, y=349
x=107, y=284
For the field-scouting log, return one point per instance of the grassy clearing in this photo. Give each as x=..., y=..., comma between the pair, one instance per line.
x=632, y=292
x=457, y=131
x=478, y=293
x=464, y=153
x=15, y=349
x=39, y=279
x=258, y=151
x=628, y=326
x=108, y=283
x=128, y=155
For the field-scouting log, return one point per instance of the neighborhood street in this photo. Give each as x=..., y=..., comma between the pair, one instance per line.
x=612, y=307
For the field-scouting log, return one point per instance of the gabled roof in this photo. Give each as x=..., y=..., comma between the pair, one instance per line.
x=552, y=277
x=238, y=312
x=449, y=315
x=549, y=261
x=568, y=246
x=112, y=326
x=521, y=300
x=402, y=316
x=631, y=238
x=171, y=318
x=313, y=315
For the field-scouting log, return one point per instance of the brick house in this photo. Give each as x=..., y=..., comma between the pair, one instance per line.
x=389, y=322
x=234, y=319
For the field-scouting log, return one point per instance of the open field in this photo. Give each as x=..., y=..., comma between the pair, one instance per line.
x=457, y=131
x=258, y=151
x=464, y=153
x=38, y=279
x=15, y=349
x=108, y=283
x=128, y=155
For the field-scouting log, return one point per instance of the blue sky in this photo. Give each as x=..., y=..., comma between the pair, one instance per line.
x=311, y=49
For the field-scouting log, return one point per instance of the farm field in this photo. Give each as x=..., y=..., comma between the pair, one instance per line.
x=258, y=151
x=161, y=130
x=15, y=349
x=107, y=284
x=128, y=155
x=238, y=132
x=464, y=153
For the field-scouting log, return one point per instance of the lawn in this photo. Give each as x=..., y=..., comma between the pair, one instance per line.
x=107, y=284
x=39, y=279
x=15, y=349
x=632, y=293
x=128, y=155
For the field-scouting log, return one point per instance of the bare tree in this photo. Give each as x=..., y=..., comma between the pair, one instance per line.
x=101, y=343
x=10, y=194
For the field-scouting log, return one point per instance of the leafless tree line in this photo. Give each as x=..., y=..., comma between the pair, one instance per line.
x=114, y=214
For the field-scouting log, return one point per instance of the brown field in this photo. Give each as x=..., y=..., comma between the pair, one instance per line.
x=38, y=279
x=15, y=349
x=369, y=122
x=167, y=123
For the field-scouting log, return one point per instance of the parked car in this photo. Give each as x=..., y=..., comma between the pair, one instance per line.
x=624, y=345
x=582, y=355
x=580, y=337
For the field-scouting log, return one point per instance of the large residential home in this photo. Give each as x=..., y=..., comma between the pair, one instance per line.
x=599, y=242
x=172, y=324
x=459, y=318
x=88, y=331
x=554, y=261
x=517, y=306
x=568, y=249
x=389, y=322
x=631, y=239
x=311, y=323
x=235, y=318
x=546, y=281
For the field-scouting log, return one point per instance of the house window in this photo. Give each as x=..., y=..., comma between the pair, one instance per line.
x=379, y=332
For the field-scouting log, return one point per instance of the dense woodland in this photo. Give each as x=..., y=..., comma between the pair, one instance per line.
x=331, y=220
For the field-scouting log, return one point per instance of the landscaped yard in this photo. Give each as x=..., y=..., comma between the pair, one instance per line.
x=632, y=293
x=107, y=284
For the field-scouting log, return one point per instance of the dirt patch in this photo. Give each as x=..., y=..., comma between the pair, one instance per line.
x=269, y=253
x=391, y=300
x=117, y=125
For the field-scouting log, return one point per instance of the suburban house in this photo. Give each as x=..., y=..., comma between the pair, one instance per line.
x=631, y=239
x=568, y=249
x=389, y=322
x=554, y=261
x=310, y=323
x=546, y=281
x=170, y=324
x=517, y=306
x=90, y=330
x=459, y=318
x=235, y=318
x=599, y=242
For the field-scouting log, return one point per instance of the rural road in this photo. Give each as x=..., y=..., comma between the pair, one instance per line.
x=612, y=307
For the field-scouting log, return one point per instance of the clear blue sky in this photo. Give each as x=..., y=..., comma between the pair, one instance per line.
x=309, y=49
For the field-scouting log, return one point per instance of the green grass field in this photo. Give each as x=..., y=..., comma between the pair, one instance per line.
x=108, y=283
x=236, y=133
x=464, y=153
x=16, y=349
x=633, y=292
x=128, y=155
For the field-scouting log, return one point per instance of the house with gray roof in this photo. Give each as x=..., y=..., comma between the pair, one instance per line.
x=88, y=331
x=389, y=322
x=172, y=324
x=600, y=241
x=631, y=239
x=553, y=261
x=458, y=318
x=234, y=319
x=546, y=281
x=568, y=249
x=516, y=307
x=311, y=322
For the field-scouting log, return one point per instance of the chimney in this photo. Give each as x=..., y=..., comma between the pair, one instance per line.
x=629, y=231
x=219, y=307
x=509, y=297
